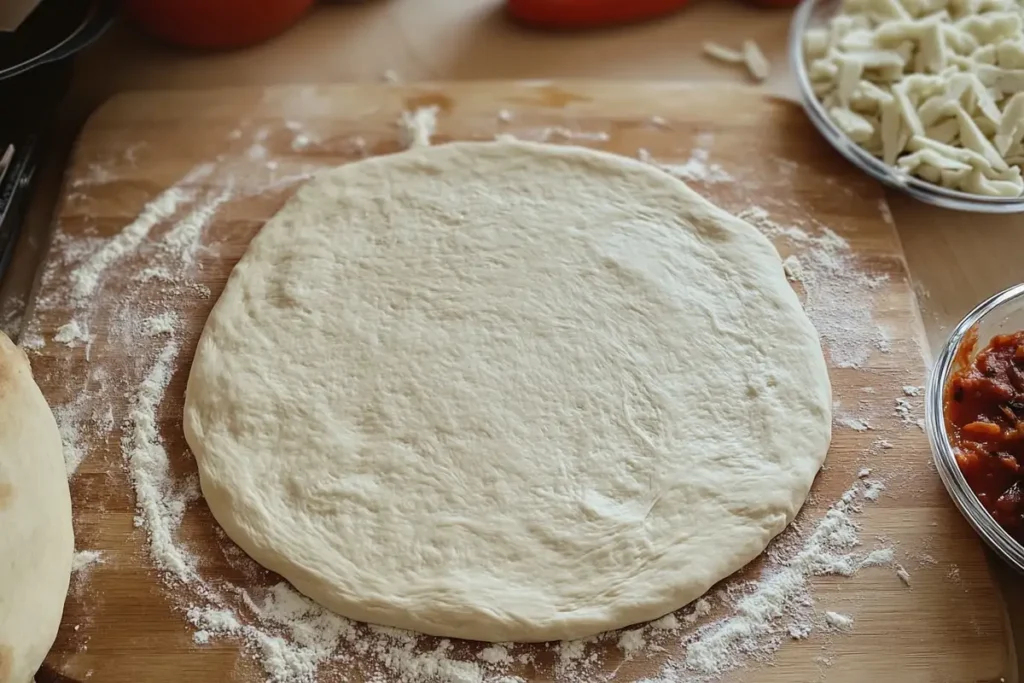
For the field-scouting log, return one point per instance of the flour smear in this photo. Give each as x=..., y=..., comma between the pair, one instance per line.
x=294, y=640
x=697, y=167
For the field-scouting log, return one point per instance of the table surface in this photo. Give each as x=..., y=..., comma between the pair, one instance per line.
x=471, y=39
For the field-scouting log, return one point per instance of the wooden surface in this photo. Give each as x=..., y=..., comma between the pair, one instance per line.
x=123, y=624
x=470, y=39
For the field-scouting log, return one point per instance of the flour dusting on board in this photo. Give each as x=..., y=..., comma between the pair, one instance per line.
x=84, y=560
x=781, y=602
x=294, y=639
x=417, y=127
x=829, y=274
x=184, y=237
x=87, y=276
x=66, y=417
x=70, y=333
x=160, y=503
x=697, y=167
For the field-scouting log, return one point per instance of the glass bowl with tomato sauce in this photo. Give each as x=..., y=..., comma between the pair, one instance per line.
x=975, y=421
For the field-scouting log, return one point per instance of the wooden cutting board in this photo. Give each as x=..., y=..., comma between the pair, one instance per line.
x=250, y=147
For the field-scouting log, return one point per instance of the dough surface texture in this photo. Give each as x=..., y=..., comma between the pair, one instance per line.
x=36, y=537
x=506, y=392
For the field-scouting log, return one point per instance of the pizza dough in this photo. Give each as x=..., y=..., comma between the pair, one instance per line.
x=506, y=392
x=36, y=538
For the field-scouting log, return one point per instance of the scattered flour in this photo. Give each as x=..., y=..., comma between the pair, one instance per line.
x=84, y=560
x=66, y=417
x=390, y=76
x=756, y=215
x=164, y=323
x=85, y=278
x=873, y=489
x=104, y=419
x=840, y=622
x=855, y=423
x=632, y=641
x=571, y=658
x=256, y=152
x=669, y=622
x=214, y=620
x=184, y=237
x=882, y=557
x=799, y=631
x=829, y=274
x=794, y=269
x=696, y=168
x=160, y=507
x=886, y=213
x=494, y=654
x=418, y=126
x=77, y=279
x=701, y=608
x=70, y=333
x=155, y=273
x=912, y=390
x=505, y=116
x=780, y=603
x=864, y=473
x=563, y=134
x=905, y=412
x=31, y=340
x=358, y=144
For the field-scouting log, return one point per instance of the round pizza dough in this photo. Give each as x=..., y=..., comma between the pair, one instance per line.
x=36, y=538
x=506, y=392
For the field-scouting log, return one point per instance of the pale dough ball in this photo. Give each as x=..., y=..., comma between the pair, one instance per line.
x=36, y=538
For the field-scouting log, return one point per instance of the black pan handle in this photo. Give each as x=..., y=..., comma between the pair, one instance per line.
x=96, y=20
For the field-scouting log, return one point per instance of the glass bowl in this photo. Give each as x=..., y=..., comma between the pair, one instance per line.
x=813, y=13
x=1003, y=313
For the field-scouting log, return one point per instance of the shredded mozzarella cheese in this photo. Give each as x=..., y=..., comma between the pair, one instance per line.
x=722, y=53
x=934, y=88
x=749, y=55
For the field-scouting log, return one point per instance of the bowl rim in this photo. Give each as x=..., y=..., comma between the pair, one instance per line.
x=945, y=460
x=917, y=188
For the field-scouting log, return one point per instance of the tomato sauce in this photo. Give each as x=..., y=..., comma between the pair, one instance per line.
x=984, y=411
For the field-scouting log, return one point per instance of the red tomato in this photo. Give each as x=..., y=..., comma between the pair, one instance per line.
x=567, y=14
x=215, y=23
x=775, y=3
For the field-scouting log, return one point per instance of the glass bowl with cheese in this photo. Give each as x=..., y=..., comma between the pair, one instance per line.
x=927, y=96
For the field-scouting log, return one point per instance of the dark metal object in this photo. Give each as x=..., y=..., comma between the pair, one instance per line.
x=34, y=75
x=55, y=30
x=37, y=94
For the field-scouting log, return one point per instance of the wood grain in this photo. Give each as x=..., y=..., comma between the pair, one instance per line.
x=123, y=624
